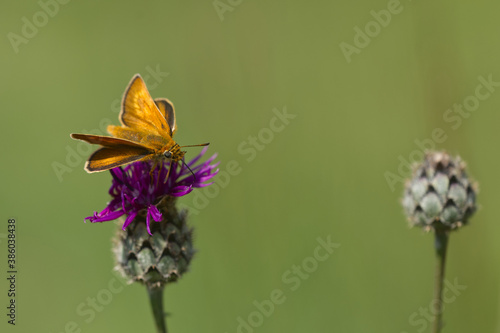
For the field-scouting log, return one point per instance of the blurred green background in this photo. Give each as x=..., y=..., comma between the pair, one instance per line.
x=226, y=69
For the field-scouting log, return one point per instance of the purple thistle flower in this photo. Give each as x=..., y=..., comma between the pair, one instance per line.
x=133, y=190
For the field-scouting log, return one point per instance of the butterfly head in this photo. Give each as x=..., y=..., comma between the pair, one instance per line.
x=175, y=153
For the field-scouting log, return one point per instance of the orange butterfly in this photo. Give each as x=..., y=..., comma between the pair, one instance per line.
x=145, y=134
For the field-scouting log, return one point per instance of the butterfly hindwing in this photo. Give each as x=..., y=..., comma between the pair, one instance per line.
x=167, y=110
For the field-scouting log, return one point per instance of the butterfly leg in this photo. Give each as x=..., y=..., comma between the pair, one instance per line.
x=169, y=168
x=153, y=167
x=160, y=162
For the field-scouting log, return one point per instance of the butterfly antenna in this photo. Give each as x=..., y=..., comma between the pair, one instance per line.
x=184, y=162
x=200, y=145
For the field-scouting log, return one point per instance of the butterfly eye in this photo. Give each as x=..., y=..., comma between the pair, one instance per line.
x=167, y=154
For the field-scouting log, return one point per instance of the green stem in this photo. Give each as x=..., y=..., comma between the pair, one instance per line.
x=441, y=244
x=156, y=298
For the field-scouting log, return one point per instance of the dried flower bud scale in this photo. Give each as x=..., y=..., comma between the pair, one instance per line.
x=439, y=197
x=154, y=245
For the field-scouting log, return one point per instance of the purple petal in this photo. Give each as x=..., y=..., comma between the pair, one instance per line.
x=155, y=213
x=147, y=223
x=194, y=160
x=129, y=220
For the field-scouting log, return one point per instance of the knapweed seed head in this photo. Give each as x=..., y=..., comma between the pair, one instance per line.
x=158, y=258
x=439, y=195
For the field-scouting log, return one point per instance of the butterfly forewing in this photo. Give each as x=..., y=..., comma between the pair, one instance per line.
x=139, y=110
x=108, y=158
x=105, y=140
x=115, y=152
